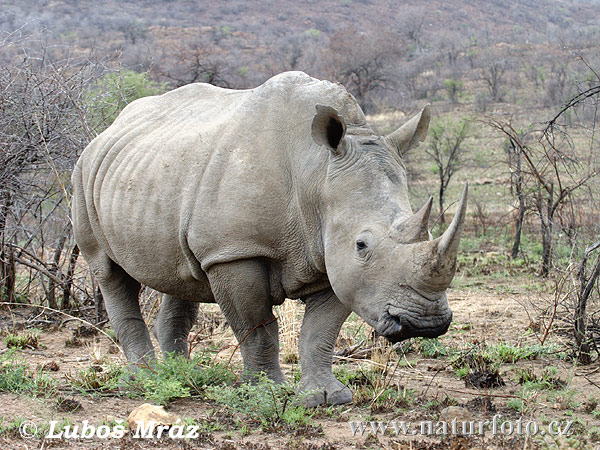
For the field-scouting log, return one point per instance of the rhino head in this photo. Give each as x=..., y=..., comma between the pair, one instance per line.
x=379, y=256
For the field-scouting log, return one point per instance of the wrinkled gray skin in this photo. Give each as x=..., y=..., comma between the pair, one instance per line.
x=245, y=198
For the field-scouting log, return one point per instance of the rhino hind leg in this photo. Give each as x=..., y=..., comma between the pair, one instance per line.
x=323, y=319
x=241, y=288
x=175, y=320
x=121, y=297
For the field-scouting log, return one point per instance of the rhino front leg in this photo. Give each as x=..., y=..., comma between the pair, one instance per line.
x=241, y=288
x=323, y=318
x=176, y=318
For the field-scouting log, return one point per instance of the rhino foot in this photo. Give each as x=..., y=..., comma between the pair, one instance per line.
x=330, y=392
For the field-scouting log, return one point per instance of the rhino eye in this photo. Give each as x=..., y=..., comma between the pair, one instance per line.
x=361, y=245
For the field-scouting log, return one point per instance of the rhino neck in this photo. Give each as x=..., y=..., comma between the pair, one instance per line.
x=306, y=210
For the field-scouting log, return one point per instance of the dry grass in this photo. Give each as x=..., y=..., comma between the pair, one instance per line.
x=289, y=316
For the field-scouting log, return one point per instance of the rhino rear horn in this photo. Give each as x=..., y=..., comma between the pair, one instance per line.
x=416, y=227
x=411, y=133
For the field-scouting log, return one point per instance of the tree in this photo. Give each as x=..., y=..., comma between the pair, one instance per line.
x=446, y=147
x=416, y=82
x=450, y=45
x=412, y=22
x=289, y=52
x=43, y=127
x=556, y=84
x=553, y=176
x=493, y=72
x=362, y=62
x=195, y=63
x=586, y=283
x=513, y=161
x=114, y=91
x=453, y=88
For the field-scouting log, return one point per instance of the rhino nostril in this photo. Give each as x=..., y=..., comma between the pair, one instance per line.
x=392, y=325
x=395, y=320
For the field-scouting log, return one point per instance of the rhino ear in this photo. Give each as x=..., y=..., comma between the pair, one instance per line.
x=328, y=128
x=411, y=133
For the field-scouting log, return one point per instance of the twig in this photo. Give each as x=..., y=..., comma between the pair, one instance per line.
x=595, y=90
x=478, y=394
x=350, y=350
x=264, y=323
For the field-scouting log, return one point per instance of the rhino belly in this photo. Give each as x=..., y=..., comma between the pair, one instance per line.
x=138, y=220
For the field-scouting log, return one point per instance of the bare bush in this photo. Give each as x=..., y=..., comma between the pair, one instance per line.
x=446, y=147
x=43, y=128
x=586, y=284
x=552, y=173
x=362, y=62
x=494, y=67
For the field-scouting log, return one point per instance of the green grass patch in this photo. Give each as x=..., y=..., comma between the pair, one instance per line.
x=273, y=405
x=504, y=352
x=492, y=265
x=28, y=339
x=375, y=388
x=10, y=427
x=176, y=377
x=17, y=377
x=547, y=380
x=427, y=347
x=563, y=399
x=480, y=364
x=96, y=379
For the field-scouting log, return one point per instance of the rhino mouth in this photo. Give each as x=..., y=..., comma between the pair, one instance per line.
x=425, y=318
x=396, y=328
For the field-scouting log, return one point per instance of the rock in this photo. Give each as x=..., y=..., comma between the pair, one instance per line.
x=146, y=413
x=459, y=413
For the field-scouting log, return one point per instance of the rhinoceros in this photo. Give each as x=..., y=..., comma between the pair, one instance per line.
x=248, y=197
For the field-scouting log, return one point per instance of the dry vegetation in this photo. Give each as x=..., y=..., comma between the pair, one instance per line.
x=514, y=87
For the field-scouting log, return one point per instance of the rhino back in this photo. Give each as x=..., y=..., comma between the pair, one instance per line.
x=203, y=175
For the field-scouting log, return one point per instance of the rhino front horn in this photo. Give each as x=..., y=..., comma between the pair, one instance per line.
x=439, y=255
x=448, y=242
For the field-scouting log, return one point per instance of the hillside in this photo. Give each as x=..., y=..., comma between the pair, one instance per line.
x=248, y=41
x=521, y=19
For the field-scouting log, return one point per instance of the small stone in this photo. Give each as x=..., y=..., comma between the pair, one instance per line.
x=147, y=413
x=459, y=413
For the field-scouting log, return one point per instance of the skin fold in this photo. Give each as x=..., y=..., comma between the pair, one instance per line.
x=246, y=198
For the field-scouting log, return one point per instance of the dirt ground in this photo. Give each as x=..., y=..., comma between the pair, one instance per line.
x=480, y=316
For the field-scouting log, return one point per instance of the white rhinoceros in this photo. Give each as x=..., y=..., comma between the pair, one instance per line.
x=248, y=197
